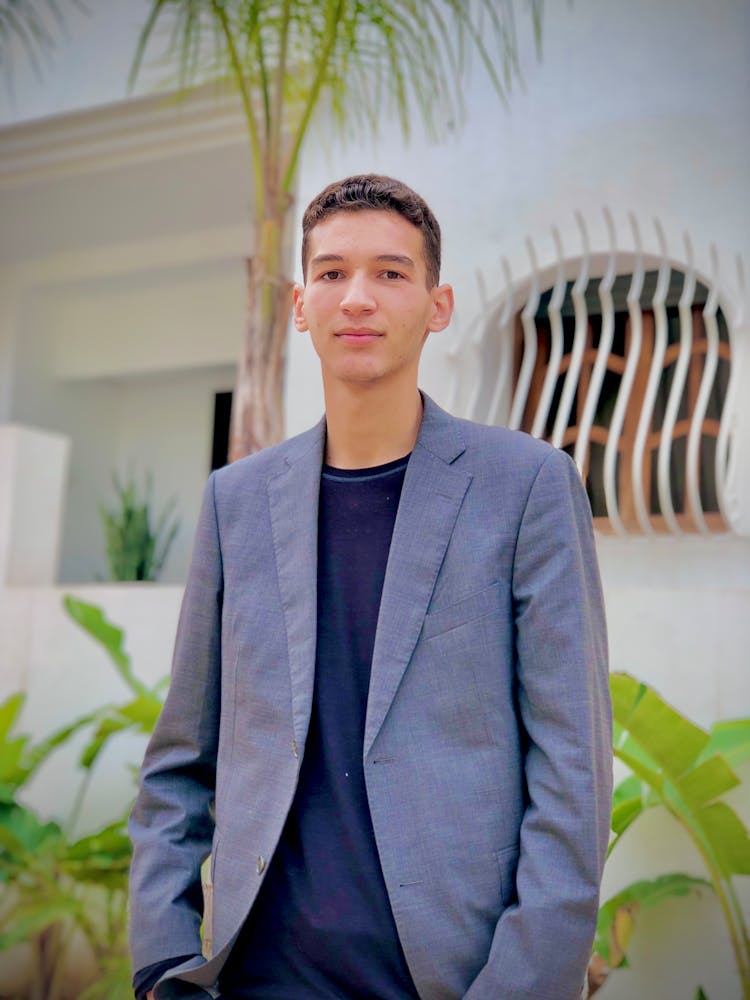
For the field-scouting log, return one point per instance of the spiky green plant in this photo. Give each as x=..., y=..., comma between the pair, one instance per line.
x=136, y=547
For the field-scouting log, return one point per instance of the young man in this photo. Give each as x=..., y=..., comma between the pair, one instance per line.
x=388, y=719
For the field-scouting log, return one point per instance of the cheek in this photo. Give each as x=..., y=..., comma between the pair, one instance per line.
x=318, y=305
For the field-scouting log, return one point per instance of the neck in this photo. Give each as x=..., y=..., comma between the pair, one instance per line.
x=370, y=426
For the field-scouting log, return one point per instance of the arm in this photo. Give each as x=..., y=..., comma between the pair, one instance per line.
x=170, y=825
x=542, y=943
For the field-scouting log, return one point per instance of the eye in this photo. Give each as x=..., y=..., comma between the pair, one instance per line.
x=393, y=275
x=330, y=275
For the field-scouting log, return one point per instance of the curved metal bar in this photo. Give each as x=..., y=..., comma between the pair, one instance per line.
x=556, y=341
x=506, y=344
x=711, y=363
x=603, y=351
x=626, y=384
x=675, y=392
x=642, y=502
x=724, y=469
x=578, y=295
x=529, y=343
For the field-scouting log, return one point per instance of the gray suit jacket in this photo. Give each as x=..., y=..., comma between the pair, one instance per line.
x=487, y=750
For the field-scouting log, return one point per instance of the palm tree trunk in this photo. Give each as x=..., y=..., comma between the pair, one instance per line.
x=258, y=402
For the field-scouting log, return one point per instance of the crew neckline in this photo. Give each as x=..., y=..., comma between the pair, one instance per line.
x=372, y=472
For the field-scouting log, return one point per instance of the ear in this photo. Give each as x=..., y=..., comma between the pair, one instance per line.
x=442, y=307
x=298, y=303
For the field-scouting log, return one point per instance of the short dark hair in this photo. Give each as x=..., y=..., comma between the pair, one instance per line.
x=364, y=192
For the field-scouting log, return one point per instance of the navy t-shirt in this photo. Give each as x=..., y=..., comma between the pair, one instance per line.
x=322, y=925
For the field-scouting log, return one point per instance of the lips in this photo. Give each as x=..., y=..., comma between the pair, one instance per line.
x=363, y=335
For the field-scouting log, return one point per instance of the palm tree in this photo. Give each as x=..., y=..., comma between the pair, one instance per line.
x=285, y=57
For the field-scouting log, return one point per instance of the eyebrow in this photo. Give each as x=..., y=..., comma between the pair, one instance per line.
x=389, y=258
x=395, y=258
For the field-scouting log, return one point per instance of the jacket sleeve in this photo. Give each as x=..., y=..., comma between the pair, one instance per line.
x=171, y=824
x=542, y=943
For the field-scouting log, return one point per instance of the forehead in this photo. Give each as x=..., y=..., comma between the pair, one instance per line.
x=366, y=233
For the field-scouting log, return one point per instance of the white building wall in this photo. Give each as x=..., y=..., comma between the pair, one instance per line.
x=640, y=107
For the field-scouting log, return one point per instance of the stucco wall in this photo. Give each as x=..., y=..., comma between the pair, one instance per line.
x=641, y=107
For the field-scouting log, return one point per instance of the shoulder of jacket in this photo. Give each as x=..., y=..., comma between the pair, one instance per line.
x=262, y=465
x=505, y=443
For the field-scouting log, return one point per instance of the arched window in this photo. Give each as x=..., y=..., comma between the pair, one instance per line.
x=631, y=381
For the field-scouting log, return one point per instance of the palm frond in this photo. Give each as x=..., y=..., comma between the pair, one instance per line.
x=32, y=24
x=407, y=57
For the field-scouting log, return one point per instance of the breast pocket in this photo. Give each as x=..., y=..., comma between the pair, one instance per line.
x=478, y=605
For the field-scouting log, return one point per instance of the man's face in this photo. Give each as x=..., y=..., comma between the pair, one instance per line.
x=365, y=300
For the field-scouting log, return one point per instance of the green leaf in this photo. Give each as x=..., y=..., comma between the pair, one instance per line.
x=108, y=727
x=111, y=844
x=22, y=833
x=625, y=812
x=19, y=759
x=12, y=769
x=730, y=738
x=651, y=777
x=707, y=781
x=626, y=692
x=38, y=754
x=728, y=838
x=140, y=714
x=92, y=620
x=671, y=740
x=617, y=917
x=630, y=798
x=9, y=712
x=30, y=919
x=629, y=788
x=7, y=793
x=143, y=712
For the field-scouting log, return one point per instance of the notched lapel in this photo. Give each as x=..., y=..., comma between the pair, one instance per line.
x=293, y=496
x=431, y=498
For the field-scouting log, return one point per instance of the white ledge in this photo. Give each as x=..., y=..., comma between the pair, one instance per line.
x=130, y=131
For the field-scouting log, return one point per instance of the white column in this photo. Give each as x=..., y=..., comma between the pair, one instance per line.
x=33, y=481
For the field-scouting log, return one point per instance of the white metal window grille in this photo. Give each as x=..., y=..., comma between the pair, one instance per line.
x=632, y=382
x=631, y=374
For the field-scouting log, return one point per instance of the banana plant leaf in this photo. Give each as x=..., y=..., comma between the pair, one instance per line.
x=109, y=636
x=677, y=764
x=23, y=837
x=19, y=757
x=619, y=915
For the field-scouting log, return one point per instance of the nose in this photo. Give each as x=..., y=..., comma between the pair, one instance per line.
x=357, y=296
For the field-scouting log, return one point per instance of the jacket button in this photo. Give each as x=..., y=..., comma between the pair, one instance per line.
x=294, y=749
x=261, y=864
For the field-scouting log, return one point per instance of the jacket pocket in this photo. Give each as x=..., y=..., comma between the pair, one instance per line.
x=471, y=608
